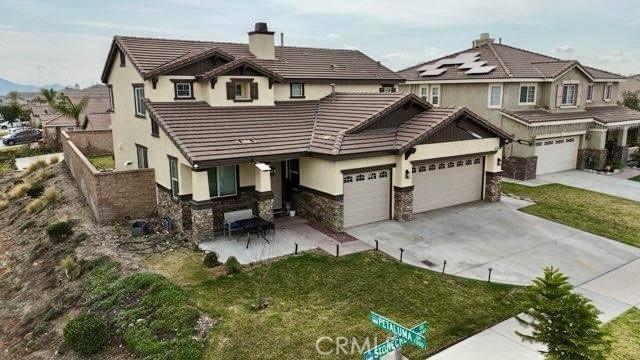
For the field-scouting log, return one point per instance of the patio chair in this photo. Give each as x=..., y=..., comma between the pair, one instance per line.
x=230, y=220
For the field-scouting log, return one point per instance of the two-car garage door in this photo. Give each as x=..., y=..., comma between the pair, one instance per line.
x=443, y=183
x=556, y=155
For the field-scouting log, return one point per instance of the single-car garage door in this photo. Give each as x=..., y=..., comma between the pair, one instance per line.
x=556, y=155
x=443, y=183
x=367, y=197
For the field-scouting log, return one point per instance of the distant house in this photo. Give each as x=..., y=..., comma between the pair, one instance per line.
x=631, y=84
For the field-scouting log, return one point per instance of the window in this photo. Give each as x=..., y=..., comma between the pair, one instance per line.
x=348, y=179
x=424, y=93
x=435, y=95
x=360, y=177
x=111, y=104
x=451, y=164
x=561, y=141
x=222, y=181
x=183, y=90
x=460, y=163
x=590, y=93
x=495, y=96
x=527, y=94
x=383, y=174
x=154, y=127
x=297, y=90
x=122, y=59
x=468, y=162
x=569, y=94
x=413, y=170
x=441, y=166
x=432, y=167
x=476, y=161
x=242, y=90
x=387, y=88
x=173, y=176
x=143, y=161
x=138, y=96
x=422, y=168
x=608, y=90
x=372, y=176
x=571, y=140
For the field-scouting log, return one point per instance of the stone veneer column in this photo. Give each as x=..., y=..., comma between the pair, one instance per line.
x=403, y=203
x=592, y=159
x=264, y=205
x=520, y=168
x=620, y=153
x=492, y=186
x=321, y=207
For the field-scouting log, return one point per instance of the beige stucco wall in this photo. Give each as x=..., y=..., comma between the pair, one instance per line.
x=317, y=91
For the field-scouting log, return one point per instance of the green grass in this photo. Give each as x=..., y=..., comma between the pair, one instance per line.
x=314, y=295
x=153, y=316
x=102, y=162
x=635, y=178
x=609, y=216
x=625, y=332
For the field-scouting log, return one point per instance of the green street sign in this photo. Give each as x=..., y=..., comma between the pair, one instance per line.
x=402, y=336
x=414, y=337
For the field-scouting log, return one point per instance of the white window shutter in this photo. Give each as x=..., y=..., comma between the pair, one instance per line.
x=558, y=95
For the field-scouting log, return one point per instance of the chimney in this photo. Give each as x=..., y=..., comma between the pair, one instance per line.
x=261, y=42
x=484, y=39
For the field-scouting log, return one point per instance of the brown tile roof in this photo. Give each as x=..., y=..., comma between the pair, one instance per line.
x=613, y=114
x=541, y=115
x=148, y=54
x=509, y=62
x=98, y=121
x=216, y=135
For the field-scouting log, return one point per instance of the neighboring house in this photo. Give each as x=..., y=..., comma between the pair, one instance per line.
x=231, y=126
x=95, y=117
x=24, y=98
x=632, y=84
x=38, y=110
x=561, y=113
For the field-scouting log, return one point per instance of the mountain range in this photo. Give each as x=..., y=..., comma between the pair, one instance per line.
x=7, y=86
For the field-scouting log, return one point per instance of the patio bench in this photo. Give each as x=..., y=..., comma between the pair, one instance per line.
x=231, y=219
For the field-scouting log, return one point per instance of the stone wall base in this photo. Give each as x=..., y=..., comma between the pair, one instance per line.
x=520, y=168
x=403, y=204
x=592, y=159
x=620, y=153
x=492, y=186
x=320, y=207
x=264, y=205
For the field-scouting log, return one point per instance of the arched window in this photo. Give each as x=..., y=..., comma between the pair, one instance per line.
x=422, y=168
x=442, y=166
x=476, y=161
x=372, y=176
x=413, y=170
x=383, y=174
x=451, y=164
x=348, y=179
x=468, y=162
x=432, y=167
x=360, y=177
x=460, y=163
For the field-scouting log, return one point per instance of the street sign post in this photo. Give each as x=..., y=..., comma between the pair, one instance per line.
x=402, y=335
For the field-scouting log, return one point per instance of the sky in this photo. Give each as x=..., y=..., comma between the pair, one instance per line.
x=66, y=42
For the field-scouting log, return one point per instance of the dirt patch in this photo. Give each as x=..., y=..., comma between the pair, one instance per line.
x=339, y=236
x=36, y=298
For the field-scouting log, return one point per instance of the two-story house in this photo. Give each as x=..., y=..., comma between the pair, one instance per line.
x=229, y=126
x=563, y=115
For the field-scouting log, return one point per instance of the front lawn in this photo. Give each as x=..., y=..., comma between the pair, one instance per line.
x=625, y=332
x=102, y=162
x=315, y=295
x=609, y=216
x=635, y=178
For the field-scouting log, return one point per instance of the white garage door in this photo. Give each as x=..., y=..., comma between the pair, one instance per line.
x=556, y=155
x=448, y=182
x=367, y=197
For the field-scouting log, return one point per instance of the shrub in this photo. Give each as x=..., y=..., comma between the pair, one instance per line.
x=71, y=267
x=3, y=203
x=35, y=189
x=87, y=334
x=233, y=265
x=54, y=160
x=28, y=224
x=50, y=196
x=211, y=259
x=43, y=175
x=39, y=164
x=18, y=190
x=60, y=230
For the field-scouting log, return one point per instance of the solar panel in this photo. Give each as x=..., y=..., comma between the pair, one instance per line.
x=480, y=70
x=465, y=60
x=471, y=65
x=433, y=72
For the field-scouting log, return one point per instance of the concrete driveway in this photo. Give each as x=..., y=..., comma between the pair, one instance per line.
x=475, y=237
x=610, y=185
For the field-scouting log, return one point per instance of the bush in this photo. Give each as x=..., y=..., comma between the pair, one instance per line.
x=233, y=265
x=54, y=160
x=39, y=164
x=3, y=203
x=50, y=196
x=87, y=334
x=60, y=230
x=35, y=189
x=211, y=259
x=27, y=225
x=43, y=175
x=18, y=190
x=71, y=267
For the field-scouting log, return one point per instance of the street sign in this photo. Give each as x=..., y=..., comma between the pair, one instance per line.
x=402, y=336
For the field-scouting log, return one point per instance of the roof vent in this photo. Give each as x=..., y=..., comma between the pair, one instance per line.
x=484, y=39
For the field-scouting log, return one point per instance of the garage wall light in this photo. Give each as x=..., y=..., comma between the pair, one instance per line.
x=407, y=174
x=499, y=161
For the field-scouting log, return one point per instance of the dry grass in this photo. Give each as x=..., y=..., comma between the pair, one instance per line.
x=18, y=191
x=49, y=197
x=43, y=175
x=3, y=203
x=39, y=164
x=54, y=160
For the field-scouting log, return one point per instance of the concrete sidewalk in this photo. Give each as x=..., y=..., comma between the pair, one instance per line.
x=611, y=185
x=613, y=293
x=23, y=163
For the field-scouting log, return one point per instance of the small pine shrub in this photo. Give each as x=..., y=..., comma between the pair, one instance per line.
x=71, y=267
x=211, y=259
x=86, y=334
x=18, y=190
x=54, y=160
x=49, y=197
x=60, y=230
x=35, y=189
x=233, y=265
x=39, y=164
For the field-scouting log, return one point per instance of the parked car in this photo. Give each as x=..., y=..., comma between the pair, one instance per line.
x=14, y=125
x=23, y=136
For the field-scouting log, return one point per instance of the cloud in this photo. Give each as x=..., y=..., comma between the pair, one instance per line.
x=564, y=49
x=434, y=13
x=121, y=27
x=48, y=58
